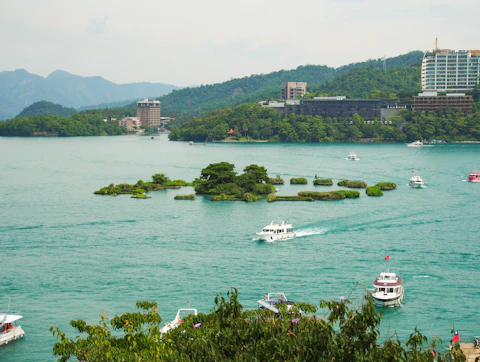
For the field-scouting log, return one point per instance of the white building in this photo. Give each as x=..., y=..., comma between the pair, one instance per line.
x=450, y=70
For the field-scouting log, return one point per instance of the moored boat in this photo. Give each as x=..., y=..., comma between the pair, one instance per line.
x=8, y=331
x=182, y=312
x=474, y=176
x=415, y=144
x=388, y=290
x=277, y=230
x=271, y=301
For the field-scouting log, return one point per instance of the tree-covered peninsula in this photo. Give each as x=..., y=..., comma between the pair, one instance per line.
x=254, y=122
x=86, y=123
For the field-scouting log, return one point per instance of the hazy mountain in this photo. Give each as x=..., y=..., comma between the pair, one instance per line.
x=19, y=88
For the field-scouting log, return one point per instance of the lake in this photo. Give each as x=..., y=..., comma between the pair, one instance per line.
x=69, y=254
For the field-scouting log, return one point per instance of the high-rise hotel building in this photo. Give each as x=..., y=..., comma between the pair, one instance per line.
x=449, y=70
x=294, y=90
x=149, y=113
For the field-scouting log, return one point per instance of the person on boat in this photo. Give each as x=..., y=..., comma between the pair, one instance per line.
x=282, y=297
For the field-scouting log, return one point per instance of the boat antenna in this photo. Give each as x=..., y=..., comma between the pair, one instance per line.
x=188, y=303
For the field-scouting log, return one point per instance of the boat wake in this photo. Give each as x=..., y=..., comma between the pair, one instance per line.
x=312, y=231
x=424, y=276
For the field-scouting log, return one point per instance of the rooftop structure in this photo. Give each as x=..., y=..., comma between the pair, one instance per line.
x=450, y=70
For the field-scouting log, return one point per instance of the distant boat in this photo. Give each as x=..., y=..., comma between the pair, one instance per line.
x=416, y=181
x=9, y=332
x=190, y=143
x=415, y=144
x=352, y=157
x=271, y=301
x=474, y=176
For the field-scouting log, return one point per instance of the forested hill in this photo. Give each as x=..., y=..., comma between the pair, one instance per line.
x=354, y=80
x=44, y=108
x=199, y=100
x=370, y=82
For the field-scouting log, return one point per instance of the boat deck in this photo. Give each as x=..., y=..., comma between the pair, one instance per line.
x=469, y=351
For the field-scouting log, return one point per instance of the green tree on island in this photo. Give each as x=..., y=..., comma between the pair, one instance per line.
x=230, y=333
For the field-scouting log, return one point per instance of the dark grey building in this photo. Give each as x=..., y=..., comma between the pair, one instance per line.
x=337, y=108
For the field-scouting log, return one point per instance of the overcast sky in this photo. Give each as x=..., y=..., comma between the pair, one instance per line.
x=192, y=42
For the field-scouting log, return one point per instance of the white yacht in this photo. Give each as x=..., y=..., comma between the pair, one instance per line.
x=182, y=312
x=415, y=144
x=271, y=301
x=352, y=157
x=8, y=331
x=416, y=181
x=277, y=230
x=388, y=290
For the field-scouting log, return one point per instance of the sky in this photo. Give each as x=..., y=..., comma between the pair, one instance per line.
x=192, y=42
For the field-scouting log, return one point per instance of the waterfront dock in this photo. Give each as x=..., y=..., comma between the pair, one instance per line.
x=470, y=351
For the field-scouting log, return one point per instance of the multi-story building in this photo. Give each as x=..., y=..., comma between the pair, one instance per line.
x=130, y=123
x=431, y=101
x=294, y=90
x=149, y=113
x=450, y=70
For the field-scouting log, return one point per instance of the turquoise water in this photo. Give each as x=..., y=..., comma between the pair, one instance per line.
x=69, y=254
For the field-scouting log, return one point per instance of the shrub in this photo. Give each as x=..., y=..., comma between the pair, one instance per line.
x=223, y=197
x=185, y=197
x=227, y=189
x=373, y=191
x=349, y=194
x=353, y=184
x=289, y=198
x=138, y=191
x=263, y=189
x=178, y=183
x=249, y=197
x=275, y=181
x=298, y=180
x=140, y=196
x=386, y=185
x=323, y=181
x=323, y=196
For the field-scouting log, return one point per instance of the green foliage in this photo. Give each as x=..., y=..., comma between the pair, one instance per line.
x=224, y=197
x=298, y=180
x=230, y=333
x=263, y=189
x=276, y=181
x=323, y=181
x=349, y=194
x=353, y=184
x=44, y=108
x=250, y=197
x=386, y=185
x=138, y=191
x=373, y=191
x=213, y=175
x=140, y=196
x=259, y=172
x=178, y=183
x=272, y=198
x=160, y=178
x=185, y=197
x=322, y=196
x=87, y=123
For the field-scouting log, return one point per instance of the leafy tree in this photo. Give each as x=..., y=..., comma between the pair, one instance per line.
x=259, y=172
x=160, y=178
x=214, y=175
x=230, y=333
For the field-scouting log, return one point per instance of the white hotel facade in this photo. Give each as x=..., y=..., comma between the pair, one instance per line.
x=450, y=70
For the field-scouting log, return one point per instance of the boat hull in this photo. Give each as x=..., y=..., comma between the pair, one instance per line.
x=381, y=301
x=416, y=185
x=12, y=335
x=270, y=237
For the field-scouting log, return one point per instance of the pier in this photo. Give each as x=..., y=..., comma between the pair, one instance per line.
x=470, y=351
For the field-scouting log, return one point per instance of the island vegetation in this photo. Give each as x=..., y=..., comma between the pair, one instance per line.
x=386, y=185
x=185, y=197
x=44, y=108
x=353, y=184
x=276, y=181
x=331, y=331
x=331, y=195
x=160, y=182
x=373, y=191
x=298, y=181
x=323, y=182
x=273, y=197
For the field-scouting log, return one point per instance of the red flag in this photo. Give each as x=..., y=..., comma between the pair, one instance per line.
x=456, y=337
x=413, y=171
x=387, y=257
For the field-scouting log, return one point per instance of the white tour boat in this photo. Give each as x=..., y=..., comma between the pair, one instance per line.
x=8, y=331
x=388, y=290
x=352, y=157
x=271, y=301
x=182, y=313
x=415, y=144
x=416, y=181
x=277, y=230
